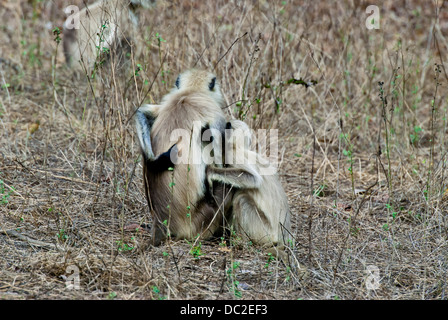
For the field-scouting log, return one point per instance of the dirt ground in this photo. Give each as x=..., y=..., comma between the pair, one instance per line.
x=362, y=141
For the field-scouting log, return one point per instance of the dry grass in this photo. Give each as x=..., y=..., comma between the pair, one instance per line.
x=77, y=179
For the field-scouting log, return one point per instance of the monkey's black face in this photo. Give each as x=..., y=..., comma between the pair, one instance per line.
x=212, y=83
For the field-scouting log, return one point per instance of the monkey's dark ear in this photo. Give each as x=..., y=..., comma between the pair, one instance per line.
x=228, y=125
x=212, y=83
x=178, y=82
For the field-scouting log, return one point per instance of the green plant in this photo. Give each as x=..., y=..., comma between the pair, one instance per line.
x=196, y=250
x=100, y=49
x=62, y=235
x=122, y=246
x=5, y=193
x=112, y=295
x=223, y=242
x=157, y=293
x=288, y=274
x=391, y=210
x=57, y=32
x=231, y=277
x=138, y=69
x=415, y=137
x=270, y=259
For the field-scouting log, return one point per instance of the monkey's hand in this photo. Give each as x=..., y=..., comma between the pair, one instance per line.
x=165, y=161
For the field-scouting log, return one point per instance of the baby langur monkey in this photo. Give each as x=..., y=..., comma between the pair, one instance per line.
x=101, y=28
x=260, y=210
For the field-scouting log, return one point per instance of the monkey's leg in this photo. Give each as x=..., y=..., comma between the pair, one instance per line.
x=250, y=221
x=207, y=221
x=254, y=224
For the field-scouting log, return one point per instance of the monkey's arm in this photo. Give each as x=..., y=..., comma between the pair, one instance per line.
x=241, y=177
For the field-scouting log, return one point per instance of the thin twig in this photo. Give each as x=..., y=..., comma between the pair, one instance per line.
x=30, y=241
x=352, y=222
x=233, y=43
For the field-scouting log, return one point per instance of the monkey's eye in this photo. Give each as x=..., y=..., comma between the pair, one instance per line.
x=211, y=85
x=178, y=82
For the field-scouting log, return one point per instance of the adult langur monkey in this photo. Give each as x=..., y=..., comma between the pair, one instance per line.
x=260, y=209
x=180, y=200
x=102, y=28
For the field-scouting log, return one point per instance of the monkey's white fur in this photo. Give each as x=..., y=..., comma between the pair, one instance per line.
x=260, y=206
